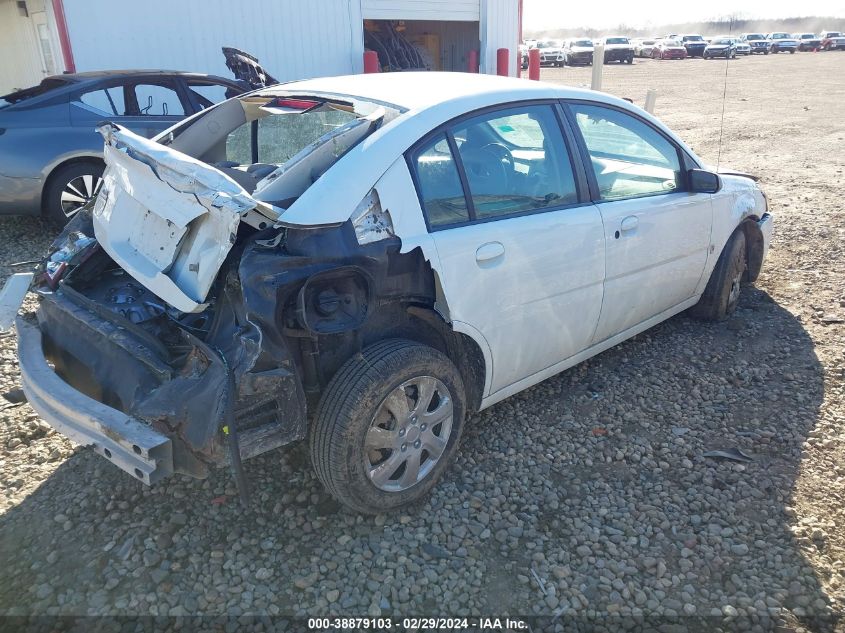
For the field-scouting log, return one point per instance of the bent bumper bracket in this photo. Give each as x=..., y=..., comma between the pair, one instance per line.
x=127, y=442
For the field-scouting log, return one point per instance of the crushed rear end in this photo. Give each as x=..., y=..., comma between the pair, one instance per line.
x=159, y=334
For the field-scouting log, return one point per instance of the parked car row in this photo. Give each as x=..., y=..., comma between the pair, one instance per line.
x=618, y=48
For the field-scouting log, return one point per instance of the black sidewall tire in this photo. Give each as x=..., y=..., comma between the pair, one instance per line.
x=346, y=410
x=52, y=209
x=715, y=304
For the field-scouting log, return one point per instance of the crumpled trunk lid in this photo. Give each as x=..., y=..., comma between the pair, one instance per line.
x=167, y=219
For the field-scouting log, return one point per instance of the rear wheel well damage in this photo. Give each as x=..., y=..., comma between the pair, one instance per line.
x=325, y=354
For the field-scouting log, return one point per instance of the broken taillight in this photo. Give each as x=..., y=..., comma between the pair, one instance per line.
x=293, y=104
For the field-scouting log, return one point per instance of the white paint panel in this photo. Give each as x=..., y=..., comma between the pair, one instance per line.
x=499, y=29
x=293, y=39
x=421, y=9
x=20, y=59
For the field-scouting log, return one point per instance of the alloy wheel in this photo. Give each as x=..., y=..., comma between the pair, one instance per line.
x=79, y=192
x=408, y=434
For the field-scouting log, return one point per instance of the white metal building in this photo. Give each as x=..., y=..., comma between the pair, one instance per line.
x=293, y=39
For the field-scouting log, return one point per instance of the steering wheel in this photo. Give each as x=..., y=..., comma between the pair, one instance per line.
x=488, y=167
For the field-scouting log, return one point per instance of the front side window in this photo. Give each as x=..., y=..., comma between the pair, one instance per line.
x=630, y=159
x=515, y=161
x=441, y=193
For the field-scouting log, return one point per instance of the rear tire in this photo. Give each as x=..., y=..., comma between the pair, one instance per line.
x=721, y=295
x=371, y=426
x=69, y=188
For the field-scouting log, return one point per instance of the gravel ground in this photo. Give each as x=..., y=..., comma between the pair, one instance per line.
x=585, y=496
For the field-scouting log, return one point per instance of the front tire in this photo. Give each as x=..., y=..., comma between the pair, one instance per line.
x=721, y=295
x=69, y=188
x=387, y=426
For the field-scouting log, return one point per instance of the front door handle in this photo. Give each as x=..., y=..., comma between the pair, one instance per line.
x=489, y=251
x=629, y=224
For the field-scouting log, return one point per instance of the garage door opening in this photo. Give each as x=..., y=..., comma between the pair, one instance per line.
x=421, y=44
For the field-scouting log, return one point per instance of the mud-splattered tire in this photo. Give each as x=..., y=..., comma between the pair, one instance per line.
x=363, y=431
x=721, y=294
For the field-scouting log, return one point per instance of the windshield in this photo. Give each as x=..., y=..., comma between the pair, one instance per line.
x=807, y=36
x=582, y=43
x=671, y=43
x=48, y=85
x=780, y=36
x=693, y=38
x=648, y=42
x=755, y=36
x=617, y=40
x=547, y=44
x=720, y=42
x=834, y=34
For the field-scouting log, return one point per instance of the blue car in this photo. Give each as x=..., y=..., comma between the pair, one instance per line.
x=51, y=157
x=782, y=42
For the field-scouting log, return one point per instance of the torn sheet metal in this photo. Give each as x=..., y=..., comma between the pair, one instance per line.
x=168, y=219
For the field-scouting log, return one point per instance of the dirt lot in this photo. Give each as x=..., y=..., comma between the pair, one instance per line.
x=585, y=496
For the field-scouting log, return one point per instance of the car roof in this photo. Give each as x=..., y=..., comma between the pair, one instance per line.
x=421, y=89
x=430, y=100
x=109, y=74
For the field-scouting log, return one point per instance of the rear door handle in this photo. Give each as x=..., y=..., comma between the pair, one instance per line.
x=489, y=251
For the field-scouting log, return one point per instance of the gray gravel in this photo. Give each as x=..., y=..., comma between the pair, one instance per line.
x=587, y=495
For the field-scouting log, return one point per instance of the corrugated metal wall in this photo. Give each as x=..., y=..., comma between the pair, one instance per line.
x=499, y=29
x=21, y=64
x=421, y=9
x=294, y=39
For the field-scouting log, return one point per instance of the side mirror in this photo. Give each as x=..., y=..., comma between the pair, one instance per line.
x=701, y=181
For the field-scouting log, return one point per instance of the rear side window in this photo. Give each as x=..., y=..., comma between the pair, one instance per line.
x=630, y=159
x=108, y=101
x=441, y=193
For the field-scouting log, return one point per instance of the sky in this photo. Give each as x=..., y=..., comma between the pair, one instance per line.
x=551, y=14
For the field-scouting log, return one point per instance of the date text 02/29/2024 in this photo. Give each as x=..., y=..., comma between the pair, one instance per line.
x=415, y=624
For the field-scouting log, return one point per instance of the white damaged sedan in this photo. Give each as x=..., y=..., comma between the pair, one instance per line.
x=360, y=262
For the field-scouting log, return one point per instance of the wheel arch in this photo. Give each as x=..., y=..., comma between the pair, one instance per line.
x=425, y=325
x=754, y=247
x=75, y=160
